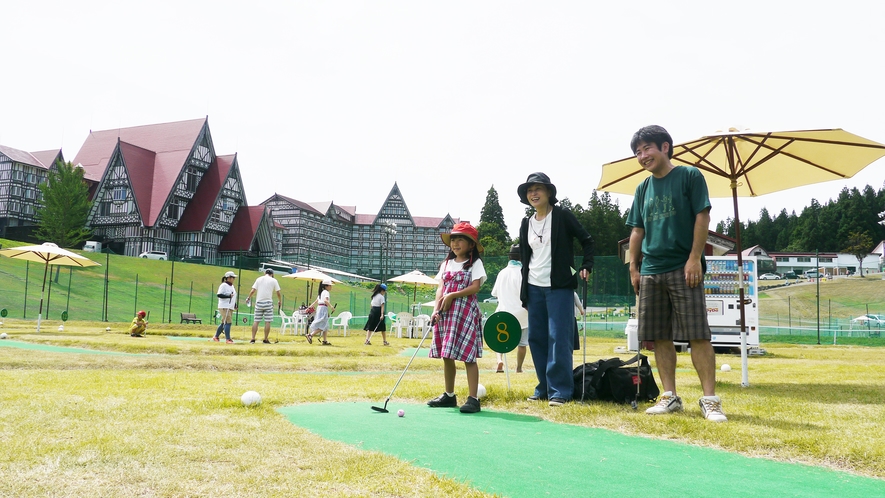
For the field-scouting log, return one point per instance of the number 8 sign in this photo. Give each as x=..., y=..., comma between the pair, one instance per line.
x=502, y=332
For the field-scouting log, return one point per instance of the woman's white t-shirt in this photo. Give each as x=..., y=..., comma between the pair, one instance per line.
x=226, y=302
x=378, y=300
x=539, y=240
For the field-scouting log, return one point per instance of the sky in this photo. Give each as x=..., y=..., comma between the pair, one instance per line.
x=337, y=100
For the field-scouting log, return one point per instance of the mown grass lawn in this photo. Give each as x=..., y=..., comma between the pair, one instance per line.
x=165, y=418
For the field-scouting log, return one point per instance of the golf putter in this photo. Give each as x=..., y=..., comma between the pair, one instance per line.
x=584, y=370
x=635, y=403
x=376, y=327
x=384, y=408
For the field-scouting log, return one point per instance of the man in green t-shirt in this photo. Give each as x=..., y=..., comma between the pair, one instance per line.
x=670, y=218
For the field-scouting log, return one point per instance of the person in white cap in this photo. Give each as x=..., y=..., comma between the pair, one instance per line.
x=227, y=303
x=324, y=311
x=263, y=290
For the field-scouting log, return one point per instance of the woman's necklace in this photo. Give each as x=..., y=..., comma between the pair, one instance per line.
x=540, y=236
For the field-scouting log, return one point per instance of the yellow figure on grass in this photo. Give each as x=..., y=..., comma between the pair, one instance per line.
x=139, y=325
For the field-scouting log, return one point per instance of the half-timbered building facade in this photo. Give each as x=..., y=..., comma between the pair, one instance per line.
x=337, y=237
x=21, y=174
x=162, y=187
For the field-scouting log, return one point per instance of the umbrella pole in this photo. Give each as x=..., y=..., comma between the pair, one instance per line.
x=506, y=371
x=745, y=376
x=42, y=293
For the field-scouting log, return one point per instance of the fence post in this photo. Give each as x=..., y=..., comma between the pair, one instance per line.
x=163, y=313
x=27, y=275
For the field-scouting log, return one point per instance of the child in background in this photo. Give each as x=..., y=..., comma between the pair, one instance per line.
x=375, y=322
x=457, y=335
x=139, y=325
x=227, y=303
x=506, y=289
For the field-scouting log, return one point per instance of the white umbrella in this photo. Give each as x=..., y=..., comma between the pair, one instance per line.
x=48, y=254
x=311, y=275
x=414, y=277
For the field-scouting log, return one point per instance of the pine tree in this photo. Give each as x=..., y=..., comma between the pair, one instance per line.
x=65, y=209
x=491, y=221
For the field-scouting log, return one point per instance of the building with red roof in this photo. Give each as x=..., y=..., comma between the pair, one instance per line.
x=162, y=187
x=20, y=175
x=332, y=236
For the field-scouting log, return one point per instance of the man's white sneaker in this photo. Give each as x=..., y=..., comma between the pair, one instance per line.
x=711, y=407
x=667, y=403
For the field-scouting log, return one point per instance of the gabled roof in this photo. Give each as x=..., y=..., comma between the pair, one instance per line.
x=395, y=197
x=243, y=229
x=47, y=157
x=41, y=159
x=168, y=139
x=296, y=203
x=139, y=165
x=431, y=221
x=171, y=144
x=322, y=207
x=756, y=250
x=196, y=215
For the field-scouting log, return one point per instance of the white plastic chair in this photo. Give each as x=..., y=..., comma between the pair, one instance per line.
x=421, y=323
x=341, y=321
x=403, y=322
x=300, y=323
x=287, y=322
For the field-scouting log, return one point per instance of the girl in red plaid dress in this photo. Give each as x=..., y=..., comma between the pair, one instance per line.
x=457, y=332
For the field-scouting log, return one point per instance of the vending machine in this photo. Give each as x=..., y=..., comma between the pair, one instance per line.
x=722, y=290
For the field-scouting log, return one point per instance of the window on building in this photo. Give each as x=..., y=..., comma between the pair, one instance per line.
x=120, y=193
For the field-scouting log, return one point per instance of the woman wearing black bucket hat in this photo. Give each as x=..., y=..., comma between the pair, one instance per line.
x=549, y=279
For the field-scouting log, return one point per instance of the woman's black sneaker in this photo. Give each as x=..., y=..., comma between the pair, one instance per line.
x=443, y=401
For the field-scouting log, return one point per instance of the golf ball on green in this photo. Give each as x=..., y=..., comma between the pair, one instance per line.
x=401, y=413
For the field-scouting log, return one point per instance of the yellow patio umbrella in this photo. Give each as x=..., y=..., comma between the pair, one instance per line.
x=48, y=254
x=752, y=163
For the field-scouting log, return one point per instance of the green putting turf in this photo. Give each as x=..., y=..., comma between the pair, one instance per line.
x=517, y=455
x=183, y=338
x=58, y=349
x=423, y=353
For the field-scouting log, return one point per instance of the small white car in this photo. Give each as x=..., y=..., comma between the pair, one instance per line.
x=161, y=255
x=872, y=320
x=490, y=300
x=769, y=276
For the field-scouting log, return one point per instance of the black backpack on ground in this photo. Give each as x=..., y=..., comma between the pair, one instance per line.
x=615, y=380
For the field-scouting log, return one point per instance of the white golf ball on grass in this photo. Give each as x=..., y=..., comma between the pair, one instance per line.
x=401, y=413
x=480, y=391
x=3, y=335
x=251, y=398
x=725, y=367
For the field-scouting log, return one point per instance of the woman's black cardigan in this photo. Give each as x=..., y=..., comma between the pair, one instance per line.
x=563, y=230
